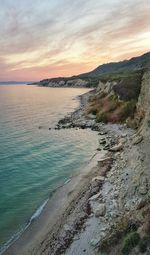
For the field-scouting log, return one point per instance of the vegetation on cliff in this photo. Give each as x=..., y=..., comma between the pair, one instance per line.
x=118, y=103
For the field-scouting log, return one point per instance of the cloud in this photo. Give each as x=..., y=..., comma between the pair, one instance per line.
x=65, y=37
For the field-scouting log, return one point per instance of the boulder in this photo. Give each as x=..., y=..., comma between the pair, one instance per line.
x=95, y=241
x=144, y=186
x=100, y=210
x=95, y=197
x=98, y=179
x=117, y=147
x=103, y=161
x=102, y=133
x=106, y=147
x=137, y=139
x=102, y=141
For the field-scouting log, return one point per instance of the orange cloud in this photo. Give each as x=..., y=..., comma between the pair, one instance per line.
x=58, y=39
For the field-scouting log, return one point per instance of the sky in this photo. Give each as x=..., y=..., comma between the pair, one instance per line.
x=50, y=38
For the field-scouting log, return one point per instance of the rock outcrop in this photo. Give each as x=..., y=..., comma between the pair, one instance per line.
x=72, y=83
x=121, y=205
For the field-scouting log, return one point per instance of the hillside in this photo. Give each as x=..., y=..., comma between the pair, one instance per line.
x=136, y=63
x=103, y=72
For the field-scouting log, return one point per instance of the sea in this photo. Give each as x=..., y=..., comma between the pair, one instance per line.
x=35, y=161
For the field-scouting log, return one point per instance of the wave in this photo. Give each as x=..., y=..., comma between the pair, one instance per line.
x=35, y=215
x=38, y=211
x=16, y=236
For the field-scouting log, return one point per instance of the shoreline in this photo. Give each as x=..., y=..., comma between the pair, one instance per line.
x=81, y=215
x=19, y=236
x=38, y=230
x=58, y=204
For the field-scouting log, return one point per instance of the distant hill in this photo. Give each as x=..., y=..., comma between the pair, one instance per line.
x=133, y=64
x=112, y=71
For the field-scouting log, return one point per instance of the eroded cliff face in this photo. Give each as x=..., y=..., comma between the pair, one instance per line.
x=115, y=99
x=131, y=179
x=118, y=220
x=143, y=105
x=76, y=83
x=119, y=223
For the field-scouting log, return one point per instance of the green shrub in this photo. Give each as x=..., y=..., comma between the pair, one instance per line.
x=93, y=109
x=131, y=240
x=143, y=245
x=129, y=87
x=132, y=226
x=111, y=77
x=110, y=108
x=92, y=82
x=102, y=117
x=128, y=109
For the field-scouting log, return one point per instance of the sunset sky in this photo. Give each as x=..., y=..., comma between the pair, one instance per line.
x=49, y=38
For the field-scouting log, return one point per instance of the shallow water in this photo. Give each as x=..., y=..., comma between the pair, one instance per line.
x=34, y=161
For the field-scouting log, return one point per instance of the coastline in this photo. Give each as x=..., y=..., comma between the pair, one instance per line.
x=80, y=215
x=55, y=212
x=45, y=230
x=33, y=227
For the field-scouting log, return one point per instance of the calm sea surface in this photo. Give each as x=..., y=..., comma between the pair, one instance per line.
x=33, y=161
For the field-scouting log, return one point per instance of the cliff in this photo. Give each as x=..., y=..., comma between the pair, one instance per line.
x=130, y=233
x=119, y=205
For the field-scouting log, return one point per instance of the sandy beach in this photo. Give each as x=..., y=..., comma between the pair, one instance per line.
x=43, y=231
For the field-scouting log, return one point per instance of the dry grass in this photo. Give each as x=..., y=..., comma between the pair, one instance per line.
x=110, y=108
x=122, y=105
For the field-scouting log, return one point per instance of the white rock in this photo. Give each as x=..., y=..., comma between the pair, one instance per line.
x=124, y=135
x=95, y=241
x=104, y=159
x=117, y=147
x=67, y=227
x=100, y=210
x=98, y=178
x=95, y=197
x=137, y=139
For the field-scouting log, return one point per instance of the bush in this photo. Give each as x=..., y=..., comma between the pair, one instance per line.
x=92, y=82
x=93, y=108
x=111, y=77
x=130, y=242
x=110, y=109
x=102, y=117
x=132, y=226
x=129, y=87
x=143, y=245
x=128, y=109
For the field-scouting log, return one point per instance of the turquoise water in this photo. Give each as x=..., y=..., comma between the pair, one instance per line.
x=33, y=161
